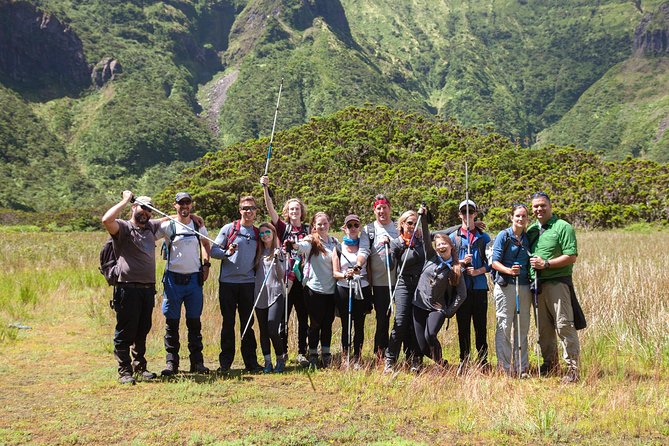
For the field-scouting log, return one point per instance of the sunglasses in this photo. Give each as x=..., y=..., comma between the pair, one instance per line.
x=410, y=223
x=463, y=211
x=352, y=225
x=248, y=208
x=184, y=202
x=264, y=233
x=146, y=208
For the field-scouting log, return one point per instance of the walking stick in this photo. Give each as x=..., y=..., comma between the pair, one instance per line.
x=141, y=203
x=390, y=283
x=262, y=288
x=537, y=347
x=469, y=250
x=271, y=139
x=520, y=355
x=350, y=307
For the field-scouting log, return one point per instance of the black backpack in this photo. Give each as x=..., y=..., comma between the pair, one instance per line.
x=108, y=263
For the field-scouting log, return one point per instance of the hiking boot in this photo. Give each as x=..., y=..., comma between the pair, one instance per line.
x=254, y=368
x=302, y=360
x=223, y=369
x=326, y=360
x=313, y=360
x=199, y=368
x=146, y=375
x=571, y=376
x=547, y=369
x=280, y=366
x=126, y=379
x=388, y=366
x=268, y=368
x=170, y=369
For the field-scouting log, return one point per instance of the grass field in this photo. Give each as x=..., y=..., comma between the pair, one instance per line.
x=58, y=378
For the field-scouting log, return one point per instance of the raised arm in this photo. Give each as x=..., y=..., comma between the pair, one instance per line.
x=269, y=204
x=109, y=219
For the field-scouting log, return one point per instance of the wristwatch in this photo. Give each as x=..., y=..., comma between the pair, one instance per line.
x=547, y=264
x=207, y=264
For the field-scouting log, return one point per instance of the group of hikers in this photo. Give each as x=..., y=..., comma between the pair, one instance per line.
x=398, y=270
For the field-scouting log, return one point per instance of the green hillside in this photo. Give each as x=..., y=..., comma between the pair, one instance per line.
x=176, y=79
x=625, y=113
x=338, y=163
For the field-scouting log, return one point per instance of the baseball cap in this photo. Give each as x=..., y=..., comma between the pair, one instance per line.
x=182, y=195
x=469, y=203
x=351, y=217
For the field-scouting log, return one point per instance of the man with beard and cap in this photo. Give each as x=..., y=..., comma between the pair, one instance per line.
x=187, y=268
x=134, y=245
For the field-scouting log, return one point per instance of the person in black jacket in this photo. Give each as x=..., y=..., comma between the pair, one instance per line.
x=439, y=294
x=409, y=250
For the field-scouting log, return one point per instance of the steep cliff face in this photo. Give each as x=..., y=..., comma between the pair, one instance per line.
x=651, y=37
x=38, y=53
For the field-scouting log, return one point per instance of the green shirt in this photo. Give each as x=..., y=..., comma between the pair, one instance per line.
x=555, y=238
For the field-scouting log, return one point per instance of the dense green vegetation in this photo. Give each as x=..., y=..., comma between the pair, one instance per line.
x=338, y=163
x=514, y=67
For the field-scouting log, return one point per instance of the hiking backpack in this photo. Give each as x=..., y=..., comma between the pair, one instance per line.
x=236, y=226
x=108, y=263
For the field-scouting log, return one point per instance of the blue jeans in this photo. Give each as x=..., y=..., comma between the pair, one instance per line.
x=190, y=295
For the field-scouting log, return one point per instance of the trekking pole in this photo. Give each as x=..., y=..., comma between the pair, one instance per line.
x=390, y=283
x=350, y=308
x=537, y=347
x=271, y=139
x=520, y=359
x=404, y=262
x=262, y=288
x=469, y=250
x=285, y=294
x=141, y=203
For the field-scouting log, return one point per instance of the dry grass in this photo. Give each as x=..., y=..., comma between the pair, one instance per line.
x=58, y=379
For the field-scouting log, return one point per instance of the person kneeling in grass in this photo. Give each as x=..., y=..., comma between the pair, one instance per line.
x=439, y=294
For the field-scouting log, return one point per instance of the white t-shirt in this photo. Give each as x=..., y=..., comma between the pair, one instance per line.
x=185, y=253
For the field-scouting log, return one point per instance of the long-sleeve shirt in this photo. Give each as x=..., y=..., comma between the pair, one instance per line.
x=239, y=267
x=414, y=254
x=274, y=284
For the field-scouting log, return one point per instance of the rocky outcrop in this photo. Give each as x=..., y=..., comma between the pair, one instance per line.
x=105, y=70
x=651, y=37
x=38, y=52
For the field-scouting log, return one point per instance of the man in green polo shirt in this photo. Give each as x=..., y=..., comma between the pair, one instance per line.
x=553, y=244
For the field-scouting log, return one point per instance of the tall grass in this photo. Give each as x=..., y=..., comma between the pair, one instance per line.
x=620, y=278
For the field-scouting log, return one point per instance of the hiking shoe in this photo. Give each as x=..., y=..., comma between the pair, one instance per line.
x=223, y=369
x=280, y=367
x=268, y=368
x=313, y=360
x=170, y=369
x=255, y=368
x=388, y=366
x=146, y=375
x=326, y=360
x=547, y=369
x=571, y=377
x=126, y=379
x=524, y=375
x=199, y=368
x=302, y=360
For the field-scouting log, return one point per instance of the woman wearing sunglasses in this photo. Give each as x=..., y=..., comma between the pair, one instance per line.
x=409, y=250
x=270, y=297
x=352, y=289
x=319, y=286
x=510, y=258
